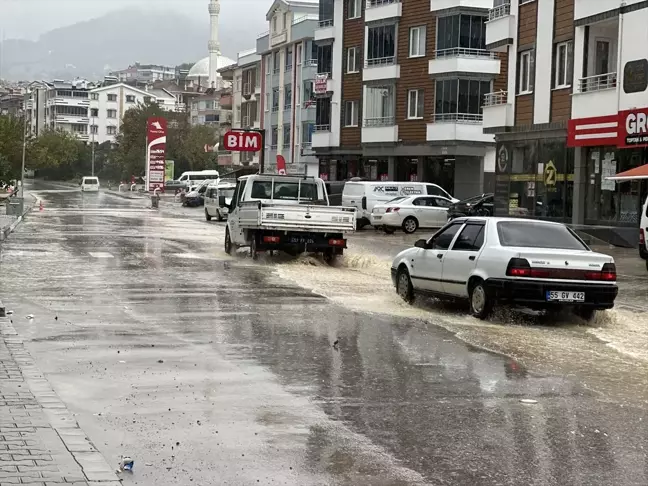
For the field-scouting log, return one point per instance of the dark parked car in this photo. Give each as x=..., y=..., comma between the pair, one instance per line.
x=172, y=186
x=481, y=205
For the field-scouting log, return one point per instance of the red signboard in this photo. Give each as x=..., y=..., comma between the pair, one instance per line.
x=281, y=165
x=633, y=128
x=240, y=141
x=156, y=137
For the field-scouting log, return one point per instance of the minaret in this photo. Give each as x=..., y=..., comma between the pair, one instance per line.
x=214, y=45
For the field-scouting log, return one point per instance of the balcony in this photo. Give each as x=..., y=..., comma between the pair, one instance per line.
x=325, y=30
x=464, y=60
x=595, y=96
x=310, y=63
x=498, y=112
x=322, y=136
x=436, y=5
x=226, y=102
x=382, y=68
x=460, y=127
x=380, y=130
x=383, y=10
x=500, y=28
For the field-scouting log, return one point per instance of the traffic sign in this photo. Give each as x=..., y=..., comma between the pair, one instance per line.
x=243, y=141
x=550, y=174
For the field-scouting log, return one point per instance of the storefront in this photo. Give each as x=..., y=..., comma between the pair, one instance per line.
x=535, y=178
x=342, y=169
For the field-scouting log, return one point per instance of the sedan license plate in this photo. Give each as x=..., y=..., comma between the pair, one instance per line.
x=563, y=296
x=377, y=216
x=302, y=240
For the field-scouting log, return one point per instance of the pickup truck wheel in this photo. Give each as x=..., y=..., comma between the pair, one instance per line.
x=329, y=257
x=481, y=304
x=585, y=313
x=228, y=242
x=253, y=248
x=219, y=216
x=207, y=215
x=410, y=225
x=404, y=286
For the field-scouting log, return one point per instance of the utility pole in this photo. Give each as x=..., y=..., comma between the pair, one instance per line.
x=92, y=129
x=24, y=148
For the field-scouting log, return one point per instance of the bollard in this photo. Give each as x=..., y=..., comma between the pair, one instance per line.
x=120, y=187
x=133, y=187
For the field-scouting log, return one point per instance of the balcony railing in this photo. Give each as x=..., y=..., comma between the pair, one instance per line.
x=247, y=89
x=381, y=121
x=307, y=145
x=464, y=52
x=597, y=83
x=246, y=122
x=499, y=11
x=273, y=146
x=322, y=128
x=380, y=3
x=310, y=63
x=496, y=99
x=382, y=61
x=458, y=117
x=325, y=23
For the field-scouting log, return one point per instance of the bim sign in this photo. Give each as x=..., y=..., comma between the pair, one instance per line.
x=236, y=141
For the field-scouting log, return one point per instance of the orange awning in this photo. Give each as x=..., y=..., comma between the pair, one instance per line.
x=640, y=172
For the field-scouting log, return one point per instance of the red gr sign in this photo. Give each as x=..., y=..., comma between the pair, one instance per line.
x=633, y=128
x=238, y=141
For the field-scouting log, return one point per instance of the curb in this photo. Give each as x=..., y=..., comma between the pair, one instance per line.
x=5, y=232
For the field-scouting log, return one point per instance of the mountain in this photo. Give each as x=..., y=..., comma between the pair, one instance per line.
x=92, y=48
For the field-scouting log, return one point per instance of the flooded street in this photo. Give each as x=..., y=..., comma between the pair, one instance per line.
x=210, y=370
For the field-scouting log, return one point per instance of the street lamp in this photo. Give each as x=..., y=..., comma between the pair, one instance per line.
x=24, y=149
x=92, y=130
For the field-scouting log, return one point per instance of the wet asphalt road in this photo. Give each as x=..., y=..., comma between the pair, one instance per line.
x=209, y=369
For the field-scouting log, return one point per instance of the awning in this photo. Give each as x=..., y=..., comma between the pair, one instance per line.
x=640, y=172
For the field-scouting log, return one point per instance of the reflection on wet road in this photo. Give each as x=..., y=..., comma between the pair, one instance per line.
x=214, y=370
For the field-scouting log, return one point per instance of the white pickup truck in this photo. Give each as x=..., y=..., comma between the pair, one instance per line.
x=287, y=213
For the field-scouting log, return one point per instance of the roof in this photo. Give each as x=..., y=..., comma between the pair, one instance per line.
x=201, y=68
x=291, y=4
x=127, y=86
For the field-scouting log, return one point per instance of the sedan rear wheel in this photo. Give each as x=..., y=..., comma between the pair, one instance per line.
x=410, y=225
x=404, y=286
x=207, y=215
x=481, y=304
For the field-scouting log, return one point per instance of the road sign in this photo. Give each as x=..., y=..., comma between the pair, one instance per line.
x=242, y=141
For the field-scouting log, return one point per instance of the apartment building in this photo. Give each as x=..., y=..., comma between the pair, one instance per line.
x=288, y=72
x=573, y=111
x=245, y=78
x=108, y=105
x=407, y=87
x=145, y=73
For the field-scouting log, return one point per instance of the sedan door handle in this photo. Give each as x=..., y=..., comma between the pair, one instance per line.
x=439, y=255
x=471, y=258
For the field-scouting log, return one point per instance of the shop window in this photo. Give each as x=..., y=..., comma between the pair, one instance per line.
x=552, y=180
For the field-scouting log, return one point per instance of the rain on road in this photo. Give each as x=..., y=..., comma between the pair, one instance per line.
x=209, y=369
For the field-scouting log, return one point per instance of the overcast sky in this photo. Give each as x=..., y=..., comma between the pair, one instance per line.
x=29, y=18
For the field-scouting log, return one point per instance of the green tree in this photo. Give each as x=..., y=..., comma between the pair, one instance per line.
x=58, y=154
x=11, y=146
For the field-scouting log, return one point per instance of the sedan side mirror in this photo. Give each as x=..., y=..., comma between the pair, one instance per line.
x=421, y=244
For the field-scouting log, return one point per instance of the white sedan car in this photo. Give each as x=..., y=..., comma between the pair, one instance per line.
x=411, y=213
x=530, y=263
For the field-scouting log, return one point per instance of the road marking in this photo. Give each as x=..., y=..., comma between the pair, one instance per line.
x=193, y=256
x=100, y=254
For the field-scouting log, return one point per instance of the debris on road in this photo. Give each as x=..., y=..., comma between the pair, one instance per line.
x=528, y=401
x=9, y=313
x=125, y=464
x=30, y=317
x=160, y=361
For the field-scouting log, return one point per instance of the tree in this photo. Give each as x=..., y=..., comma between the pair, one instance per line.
x=55, y=149
x=11, y=146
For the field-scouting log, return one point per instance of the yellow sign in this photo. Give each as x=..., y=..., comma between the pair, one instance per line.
x=550, y=174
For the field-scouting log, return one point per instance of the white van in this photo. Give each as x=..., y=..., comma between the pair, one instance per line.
x=643, y=233
x=90, y=184
x=217, y=199
x=365, y=195
x=190, y=178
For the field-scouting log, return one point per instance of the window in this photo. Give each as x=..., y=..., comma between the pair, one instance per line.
x=285, y=20
x=441, y=202
x=267, y=63
x=307, y=132
x=94, y=112
x=456, y=97
x=278, y=189
x=289, y=58
x=288, y=97
x=442, y=240
x=275, y=99
x=352, y=60
x=323, y=112
x=94, y=129
x=111, y=130
x=354, y=9
x=94, y=96
x=380, y=105
x=381, y=44
x=237, y=84
x=275, y=137
x=130, y=99
x=112, y=97
x=562, y=63
x=286, y=135
x=308, y=90
x=267, y=102
x=325, y=59
x=299, y=54
x=461, y=31
x=326, y=11
x=417, y=41
x=435, y=190
x=274, y=24
x=415, y=104
x=276, y=60
x=470, y=239
x=525, y=72
x=534, y=234
x=602, y=58
x=351, y=114
x=111, y=113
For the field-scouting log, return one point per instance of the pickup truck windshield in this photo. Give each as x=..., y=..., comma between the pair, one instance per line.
x=292, y=190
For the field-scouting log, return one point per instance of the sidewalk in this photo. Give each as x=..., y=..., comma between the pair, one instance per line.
x=41, y=443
